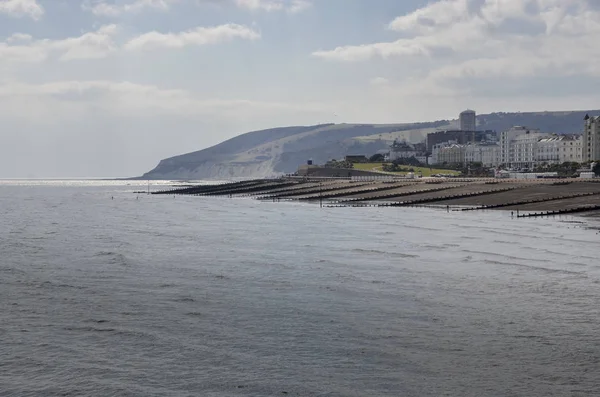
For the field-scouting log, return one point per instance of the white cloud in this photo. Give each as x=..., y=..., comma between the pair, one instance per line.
x=22, y=53
x=112, y=10
x=102, y=42
x=21, y=8
x=107, y=9
x=131, y=100
x=369, y=51
x=467, y=39
x=91, y=45
x=107, y=128
x=199, y=36
x=265, y=5
x=431, y=17
x=379, y=81
x=22, y=37
x=291, y=6
x=299, y=6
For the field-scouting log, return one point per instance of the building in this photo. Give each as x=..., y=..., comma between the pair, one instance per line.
x=486, y=153
x=356, y=158
x=571, y=149
x=405, y=150
x=520, y=148
x=548, y=150
x=524, y=150
x=591, y=139
x=468, y=120
x=458, y=136
x=440, y=137
x=448, y=153
x=587, y=174
x=559, y=149
x=402, y=150
x=507, y=148
x=434, y=159
x=527, y=148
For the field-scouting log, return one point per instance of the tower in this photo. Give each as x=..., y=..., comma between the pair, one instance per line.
x=468, y=121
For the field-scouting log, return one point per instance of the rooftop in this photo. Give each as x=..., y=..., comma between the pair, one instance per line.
x=555, y=138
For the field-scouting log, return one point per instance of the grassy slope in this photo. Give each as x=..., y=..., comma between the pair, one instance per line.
x=424, y=170
x=414, y=135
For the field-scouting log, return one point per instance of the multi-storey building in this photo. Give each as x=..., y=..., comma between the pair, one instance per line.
x=487, y=154
x=548, y=150
x=571, y=149
x=518, y=148
x=507, y=149
x=448, y=153
x=436, y=150
x=460, y=137
x=402, y=150
x=523, y=150
x=591, y=138
x=468, y=120
x=558, y=149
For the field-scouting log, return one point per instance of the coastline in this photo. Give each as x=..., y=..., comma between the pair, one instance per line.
x=462, y=194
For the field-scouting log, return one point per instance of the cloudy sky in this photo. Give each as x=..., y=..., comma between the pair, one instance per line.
x=109, y=87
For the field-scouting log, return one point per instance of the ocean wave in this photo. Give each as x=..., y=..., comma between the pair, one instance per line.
x=578, y=264
x=536, y=268
x=89, y=329
x=114, y=258
x=185, y=299
x=387, y=253
x=193, y=314
x=432, y=246
x=101, y=321
x=503, y=256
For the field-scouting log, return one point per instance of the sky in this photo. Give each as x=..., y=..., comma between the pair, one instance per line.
x=105, y=88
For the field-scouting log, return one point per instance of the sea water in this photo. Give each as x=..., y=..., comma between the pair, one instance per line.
x=107, y=292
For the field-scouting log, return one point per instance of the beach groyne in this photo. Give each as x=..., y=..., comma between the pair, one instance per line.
x=465, y=194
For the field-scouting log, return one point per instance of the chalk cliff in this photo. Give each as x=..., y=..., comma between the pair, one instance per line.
x=280, y=150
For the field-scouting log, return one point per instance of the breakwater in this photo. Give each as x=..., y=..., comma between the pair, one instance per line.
x=465, y=194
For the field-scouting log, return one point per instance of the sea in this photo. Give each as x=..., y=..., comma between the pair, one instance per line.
x=109, y=292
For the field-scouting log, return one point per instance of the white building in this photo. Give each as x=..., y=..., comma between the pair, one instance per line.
x=488, y=154
x=448, y=153
x=558, y=149
x=519, y=148
x=452, y=153
x=436, y=150
x=405, y=150
x=548, y=150
x=571, y=149
x=507, y=148
x=402, y=150
x=468, y=120
x=591, y=139
x=525, y=150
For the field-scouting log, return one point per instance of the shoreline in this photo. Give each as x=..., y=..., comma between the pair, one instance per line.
x=555, y=196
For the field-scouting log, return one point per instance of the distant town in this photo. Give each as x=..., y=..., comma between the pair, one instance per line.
x=521, y=151
x=524, y=171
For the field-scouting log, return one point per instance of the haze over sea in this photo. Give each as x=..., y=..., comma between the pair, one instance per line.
x=189, y=296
